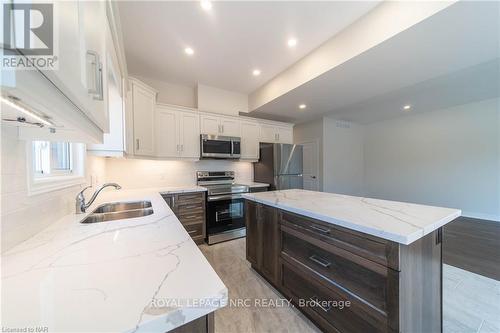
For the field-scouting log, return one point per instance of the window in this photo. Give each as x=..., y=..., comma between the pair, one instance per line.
x=54, y=165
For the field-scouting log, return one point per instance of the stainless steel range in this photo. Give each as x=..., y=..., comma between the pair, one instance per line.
x=225, y=205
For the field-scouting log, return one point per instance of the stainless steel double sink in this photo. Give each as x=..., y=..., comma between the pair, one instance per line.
x=118, y=211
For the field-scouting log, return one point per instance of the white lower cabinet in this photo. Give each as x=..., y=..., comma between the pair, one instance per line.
x=177, y=133
x=250, y=134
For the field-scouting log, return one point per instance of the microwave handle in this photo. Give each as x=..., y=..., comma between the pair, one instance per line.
x=232, y=147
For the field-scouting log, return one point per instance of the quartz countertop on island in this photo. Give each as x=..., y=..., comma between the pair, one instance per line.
x=135, y=275
x=391, y=220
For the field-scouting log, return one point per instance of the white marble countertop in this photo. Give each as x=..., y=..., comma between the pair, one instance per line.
x=182, y=189
x=136, y=275
x=252, y=184
x=396, y=221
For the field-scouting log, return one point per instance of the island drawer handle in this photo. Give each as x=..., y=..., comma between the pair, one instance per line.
x=320, y=261
x=192, y=232
x=322, y=230
x=315, y=300
x=189, y=217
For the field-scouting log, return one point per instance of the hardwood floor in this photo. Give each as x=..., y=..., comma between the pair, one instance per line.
x=471, y=303
x=473, y=245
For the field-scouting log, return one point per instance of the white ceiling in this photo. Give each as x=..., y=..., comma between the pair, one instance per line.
x=436, y=63
x=230, y=40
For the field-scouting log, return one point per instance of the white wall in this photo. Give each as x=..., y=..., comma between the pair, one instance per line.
x=342, y=157
x=22, y=216
x=446, y=158
x=134, y=173
x=312, y=131
x=217, y=100
x=171, y=93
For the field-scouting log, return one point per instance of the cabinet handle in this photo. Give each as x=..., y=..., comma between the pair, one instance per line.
x=278, y=137
x=97, y=89
x=137, y=144
x=222, y=128
x=320, y=261
x=189, y=217
x=315, y=300
x=192, y=232
x=173, y=202
x=322, y=230
x=182, y=147
x=177, y=147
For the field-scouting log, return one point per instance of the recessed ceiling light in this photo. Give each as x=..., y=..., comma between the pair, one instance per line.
x=407, y=107
x=292, y=42
x=189, y=51
x=302, y=106
x=206, y=5
x=256, y=72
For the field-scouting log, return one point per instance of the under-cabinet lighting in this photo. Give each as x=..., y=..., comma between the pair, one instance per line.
x=27, y=112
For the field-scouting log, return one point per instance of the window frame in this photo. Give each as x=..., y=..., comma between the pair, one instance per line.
x=59, y=179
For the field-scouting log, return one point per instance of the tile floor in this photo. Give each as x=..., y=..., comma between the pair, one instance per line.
x=471, y=301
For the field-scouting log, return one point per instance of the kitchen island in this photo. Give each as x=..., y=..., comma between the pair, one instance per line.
x=132, y=275
x=351, y=264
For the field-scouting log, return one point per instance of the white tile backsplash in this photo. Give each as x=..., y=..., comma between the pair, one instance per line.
x=133, y=173
x=22, y=215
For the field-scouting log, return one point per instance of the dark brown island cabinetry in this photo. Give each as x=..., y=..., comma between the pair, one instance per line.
x=344, y=280
x=203, y=324
x=190, y=210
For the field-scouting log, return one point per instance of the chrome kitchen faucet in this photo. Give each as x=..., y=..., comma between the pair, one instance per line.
x=81, y=206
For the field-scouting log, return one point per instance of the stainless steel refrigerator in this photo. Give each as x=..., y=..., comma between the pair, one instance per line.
x=279, y=165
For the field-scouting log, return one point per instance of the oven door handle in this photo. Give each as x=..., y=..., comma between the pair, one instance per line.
x=225, y=197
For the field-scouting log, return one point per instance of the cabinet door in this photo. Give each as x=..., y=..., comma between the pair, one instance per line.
x=285, y=134
x=167, y=133
x=189, y=134
x=268, y=133
x=230, y=126
x=250, y=133
x=95, y=28
x=253, y=235
x=270, y=244
x=143, y=103
x=210, y=125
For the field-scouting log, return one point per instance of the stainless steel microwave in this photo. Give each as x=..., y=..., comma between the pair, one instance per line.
x=215, y=146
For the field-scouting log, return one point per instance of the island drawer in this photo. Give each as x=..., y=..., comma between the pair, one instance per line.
x=361, y=277
x=191, y=198
x=190, y=209
x=194, y=230
x=329, y=307
x=373, y=248
x=192, y=217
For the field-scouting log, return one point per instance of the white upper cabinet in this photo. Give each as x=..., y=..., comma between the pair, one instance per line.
x=189, y=138
x=230, y=126
x=177, y=133
x=143, y=109
x=81, y=73
x=210, y=125
x=167, y=132
x=268, y=133
x=220, y=125
x=276, y=132
x=285, y=134
x=250, y=133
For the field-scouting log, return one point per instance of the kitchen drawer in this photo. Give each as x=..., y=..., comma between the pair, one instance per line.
x=361, y=277
x=190, y=198
x=373, y=248
x=323, y=304
x=194, y=230
x=189, y=209
x=191, y=218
